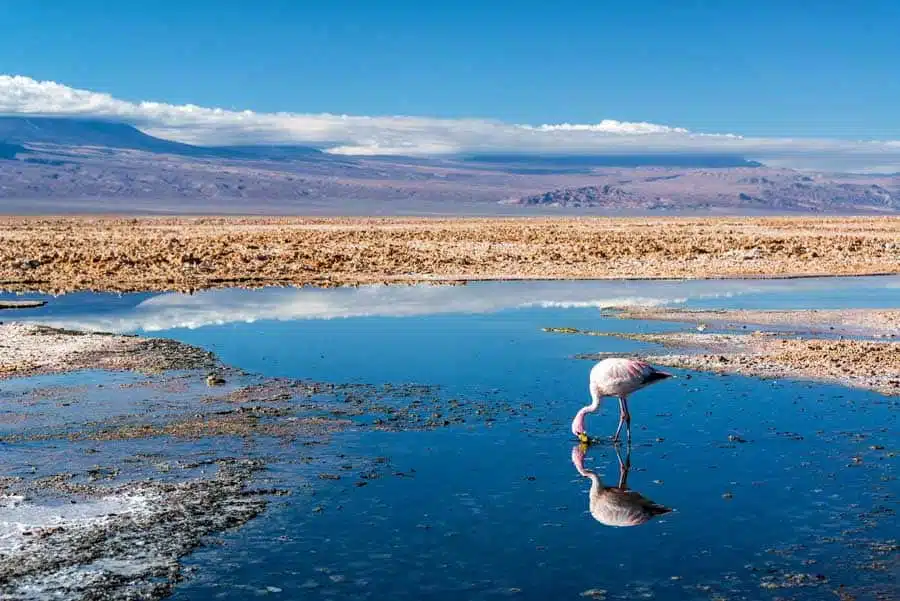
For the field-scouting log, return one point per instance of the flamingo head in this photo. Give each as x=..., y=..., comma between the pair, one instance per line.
x=578, y=452
x=578, y=426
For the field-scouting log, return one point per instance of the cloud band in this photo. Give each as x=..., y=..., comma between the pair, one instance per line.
x=424, y=136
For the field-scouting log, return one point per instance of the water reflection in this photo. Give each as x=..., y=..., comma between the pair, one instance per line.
x=136, y=313
x=616, y=505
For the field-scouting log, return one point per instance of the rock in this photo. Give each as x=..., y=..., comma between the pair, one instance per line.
x=214, y=380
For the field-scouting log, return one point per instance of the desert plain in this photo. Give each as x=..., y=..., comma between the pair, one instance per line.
x=157, y=254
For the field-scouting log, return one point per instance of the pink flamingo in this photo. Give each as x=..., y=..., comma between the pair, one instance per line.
x=616, y=505
x=616, y=377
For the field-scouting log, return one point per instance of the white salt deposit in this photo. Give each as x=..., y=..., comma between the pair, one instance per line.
x=19, y=521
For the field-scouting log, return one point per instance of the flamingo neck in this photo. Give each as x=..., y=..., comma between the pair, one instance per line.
x=578, y=422
x=578, y=462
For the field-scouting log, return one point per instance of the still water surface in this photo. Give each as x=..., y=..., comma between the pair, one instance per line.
x=771, y=483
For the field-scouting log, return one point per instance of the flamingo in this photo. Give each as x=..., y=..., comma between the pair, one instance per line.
x=616, y=377
x=616, y=505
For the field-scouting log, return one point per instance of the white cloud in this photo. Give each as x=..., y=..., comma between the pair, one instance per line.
x=361, y=135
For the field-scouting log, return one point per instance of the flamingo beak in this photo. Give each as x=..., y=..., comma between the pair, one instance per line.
x=583, y=438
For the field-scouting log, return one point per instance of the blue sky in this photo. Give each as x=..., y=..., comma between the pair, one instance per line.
x=764, y=68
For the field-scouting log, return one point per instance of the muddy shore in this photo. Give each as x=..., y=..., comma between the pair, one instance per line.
x=115, y=254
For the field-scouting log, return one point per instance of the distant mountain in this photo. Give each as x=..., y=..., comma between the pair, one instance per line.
x=586, y=196
x=767, y=189
x=683, y=160
x=85, y=132
x=274, y=152
x=65, y=165
x=68, y=131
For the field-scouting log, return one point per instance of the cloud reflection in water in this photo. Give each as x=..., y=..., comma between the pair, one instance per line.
x=216, y=307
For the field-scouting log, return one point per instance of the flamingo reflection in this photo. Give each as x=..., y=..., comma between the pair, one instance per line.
x=616, y=505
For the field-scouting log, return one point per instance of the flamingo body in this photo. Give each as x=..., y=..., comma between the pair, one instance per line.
x=616, y=377
x=621, y=377
x=617, y=506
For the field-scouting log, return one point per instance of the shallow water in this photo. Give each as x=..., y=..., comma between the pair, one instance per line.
x=806, y=485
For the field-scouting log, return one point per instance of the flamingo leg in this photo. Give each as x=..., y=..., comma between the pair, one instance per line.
x=627, y=416
x=624, y=467
x=622, y=411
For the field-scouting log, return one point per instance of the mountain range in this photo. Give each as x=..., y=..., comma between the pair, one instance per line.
x=75, y=165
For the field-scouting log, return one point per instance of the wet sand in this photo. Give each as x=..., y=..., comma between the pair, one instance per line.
x=116, y=254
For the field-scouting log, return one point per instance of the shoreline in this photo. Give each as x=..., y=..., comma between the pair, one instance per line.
x=22, y=288
x=860, y=364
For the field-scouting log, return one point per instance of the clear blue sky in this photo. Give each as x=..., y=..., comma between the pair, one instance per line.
x=793, y=67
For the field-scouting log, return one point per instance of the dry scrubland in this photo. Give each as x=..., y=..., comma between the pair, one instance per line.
x=66, y=254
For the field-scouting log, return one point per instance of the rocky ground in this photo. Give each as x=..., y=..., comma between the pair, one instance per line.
x=121, y=541
x=67, y=254
x=872, y=365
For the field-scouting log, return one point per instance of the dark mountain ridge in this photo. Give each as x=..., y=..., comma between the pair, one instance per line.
x=70, y=131
x=562, y=161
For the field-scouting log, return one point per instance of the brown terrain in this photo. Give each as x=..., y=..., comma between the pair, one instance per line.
x=867, y=364
x=118, y=254
x=857, y=363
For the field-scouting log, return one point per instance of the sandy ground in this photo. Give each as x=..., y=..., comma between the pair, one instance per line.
x=872, y=365
x=869, y=322
x=66, y=254
x=30, y=349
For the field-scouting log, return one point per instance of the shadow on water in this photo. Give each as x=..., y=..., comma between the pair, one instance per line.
x=616, y=505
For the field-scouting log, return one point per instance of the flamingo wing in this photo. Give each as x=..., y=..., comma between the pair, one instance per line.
x=623, y=376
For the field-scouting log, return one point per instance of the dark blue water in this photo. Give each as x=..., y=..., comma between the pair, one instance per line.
x=804, y=492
